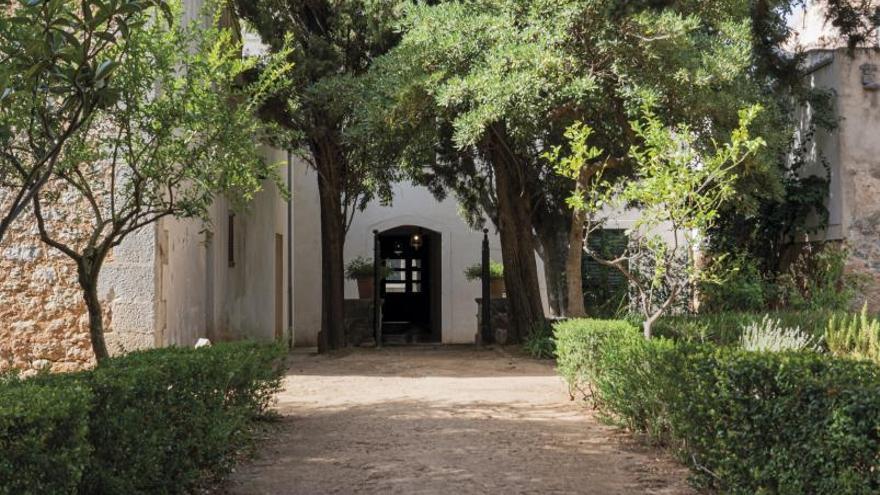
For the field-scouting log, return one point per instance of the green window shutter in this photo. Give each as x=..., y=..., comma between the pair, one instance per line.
x=606, y=290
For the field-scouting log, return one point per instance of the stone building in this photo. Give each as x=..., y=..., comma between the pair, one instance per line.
x=852, y=151
x=168, y=284
x=257, y=275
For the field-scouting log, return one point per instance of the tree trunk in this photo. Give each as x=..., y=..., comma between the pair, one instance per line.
x=329, y=163
x=574, y=266
x=88, y=271
x=553, y=244
x=517, y=245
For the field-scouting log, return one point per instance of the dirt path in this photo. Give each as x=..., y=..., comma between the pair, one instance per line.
x=443, y=421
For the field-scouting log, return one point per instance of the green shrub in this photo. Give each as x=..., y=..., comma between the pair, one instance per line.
x=736, y=285
x=578, y=343
x=746, y=422
x=726, y=328
x=165, y=419
x=769, y=335
x=159, y=421
x=475, y=271
x=539, y=343
x=818, y=280
x=856, y=335
x=43, y=435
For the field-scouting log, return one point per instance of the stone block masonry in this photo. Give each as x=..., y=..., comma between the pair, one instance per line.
x=43, y=320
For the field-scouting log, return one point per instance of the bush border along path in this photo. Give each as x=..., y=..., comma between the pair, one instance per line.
x=159, y=421
x=745, y=422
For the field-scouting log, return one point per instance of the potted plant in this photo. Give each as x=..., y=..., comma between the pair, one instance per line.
x=496, y=277
x=361, y=270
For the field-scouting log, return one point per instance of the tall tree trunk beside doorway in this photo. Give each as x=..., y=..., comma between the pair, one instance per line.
x=329, y=163
x=517, y=244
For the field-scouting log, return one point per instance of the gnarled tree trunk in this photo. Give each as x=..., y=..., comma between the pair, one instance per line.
x=329, y=163
x=88, y=271
x=517, y=241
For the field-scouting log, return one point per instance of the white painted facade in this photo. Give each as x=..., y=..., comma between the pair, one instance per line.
x=412, y=206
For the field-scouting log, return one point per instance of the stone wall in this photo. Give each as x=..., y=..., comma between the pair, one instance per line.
x=43, y=321
x=858, y=105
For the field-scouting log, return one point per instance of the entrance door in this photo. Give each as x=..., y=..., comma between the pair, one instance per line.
x=406, y=289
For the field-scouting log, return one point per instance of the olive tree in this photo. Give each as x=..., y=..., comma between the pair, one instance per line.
x=57, y=59
x=181, y=130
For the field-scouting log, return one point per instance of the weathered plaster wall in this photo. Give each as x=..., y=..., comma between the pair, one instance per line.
x=852, y=150
x=43, y=322
x=180, y=269
x=241, y=299
x=859, y=130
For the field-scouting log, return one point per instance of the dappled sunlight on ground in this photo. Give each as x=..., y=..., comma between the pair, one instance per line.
x=443, y=420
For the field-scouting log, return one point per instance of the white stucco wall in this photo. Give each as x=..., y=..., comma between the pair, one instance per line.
x=413, y=205
x=243, y=296
x=201, y=294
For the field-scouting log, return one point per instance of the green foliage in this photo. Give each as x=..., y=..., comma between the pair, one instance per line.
x=578, y=343
x=362, y=267
x=768, y=335
x=746, y=422
x=43, y=436
x=539, y=342
x=725, y=328
x=818, y=281
x=158, y=421
x=330, y=45
x=181, y=130
x=735, y=284
x=58, y=64
x=855, y=335
x=677, y=187
x=475, y=271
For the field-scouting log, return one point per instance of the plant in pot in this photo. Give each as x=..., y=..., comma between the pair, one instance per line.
x=496, y=277
x=361, y=270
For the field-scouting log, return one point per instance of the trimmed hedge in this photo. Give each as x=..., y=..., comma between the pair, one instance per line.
x=746, y=422
x=43, y=436
x=158, y=421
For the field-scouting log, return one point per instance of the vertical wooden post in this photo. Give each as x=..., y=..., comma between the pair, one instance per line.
x=487, y=297
x=377, y=260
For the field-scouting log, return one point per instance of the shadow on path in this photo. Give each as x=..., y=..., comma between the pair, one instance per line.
x=443, y=421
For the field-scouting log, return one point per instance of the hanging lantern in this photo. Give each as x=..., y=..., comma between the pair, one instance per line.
x=416, y=240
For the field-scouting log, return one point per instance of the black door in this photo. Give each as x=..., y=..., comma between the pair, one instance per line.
x=405, y=290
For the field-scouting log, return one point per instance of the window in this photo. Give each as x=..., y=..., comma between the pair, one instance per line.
x=395, y=287
x=606, y=290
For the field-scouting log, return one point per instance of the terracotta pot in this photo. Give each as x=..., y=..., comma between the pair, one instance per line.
x=365, y=287
x=496, y=288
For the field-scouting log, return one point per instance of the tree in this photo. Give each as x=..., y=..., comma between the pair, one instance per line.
x=334, y=43
x=57, y=60
x=677, y=189
x=181, y=130
x=482, y=90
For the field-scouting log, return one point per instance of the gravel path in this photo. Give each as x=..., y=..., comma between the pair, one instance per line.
x=443, y=420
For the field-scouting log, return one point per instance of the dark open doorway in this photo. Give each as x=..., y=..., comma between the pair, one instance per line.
x=411, y=290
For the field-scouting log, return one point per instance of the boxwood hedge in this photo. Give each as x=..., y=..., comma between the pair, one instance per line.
x=158, y=421
x=746, y=422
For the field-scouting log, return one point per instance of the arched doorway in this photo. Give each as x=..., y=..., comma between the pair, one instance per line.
x=411, y=290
